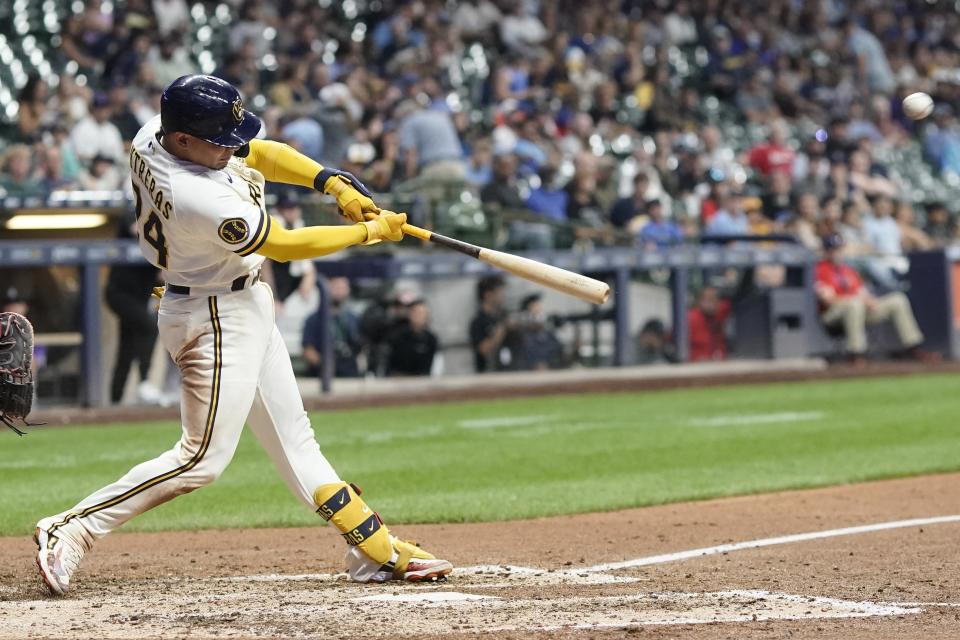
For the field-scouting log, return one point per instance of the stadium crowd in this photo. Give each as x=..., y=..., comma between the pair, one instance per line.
x=637, y=125
x=584, y=122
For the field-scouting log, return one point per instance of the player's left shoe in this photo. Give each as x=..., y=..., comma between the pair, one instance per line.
x=408, y=563
x=416, y=565
x=58, y=558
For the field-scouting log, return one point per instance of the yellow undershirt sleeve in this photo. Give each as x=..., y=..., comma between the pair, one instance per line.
x=280, y=162
x=305, y=243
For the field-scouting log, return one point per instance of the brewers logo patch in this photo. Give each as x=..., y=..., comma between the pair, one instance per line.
x=234, y=230
x=238, y=110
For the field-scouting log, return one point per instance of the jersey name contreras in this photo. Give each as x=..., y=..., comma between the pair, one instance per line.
x=201, y=226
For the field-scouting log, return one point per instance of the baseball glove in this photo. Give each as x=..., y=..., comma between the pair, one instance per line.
x=16, y=369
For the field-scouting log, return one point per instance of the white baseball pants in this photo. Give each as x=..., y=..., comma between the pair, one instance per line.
x=235, y=368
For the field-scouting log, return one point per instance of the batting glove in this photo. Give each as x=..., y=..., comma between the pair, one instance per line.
x=387, y=226
x=353, y=197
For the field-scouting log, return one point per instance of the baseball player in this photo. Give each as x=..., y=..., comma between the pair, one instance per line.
x=198, y=182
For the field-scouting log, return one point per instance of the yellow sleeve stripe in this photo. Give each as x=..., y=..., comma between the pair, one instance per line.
x=258, y=238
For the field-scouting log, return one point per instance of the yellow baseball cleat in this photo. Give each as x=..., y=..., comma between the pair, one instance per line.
x=416, y=565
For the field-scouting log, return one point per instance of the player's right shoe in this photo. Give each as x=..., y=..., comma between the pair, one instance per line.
x=58, y=557
x=416, y=565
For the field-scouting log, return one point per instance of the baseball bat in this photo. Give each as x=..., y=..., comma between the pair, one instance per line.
x=574, y=284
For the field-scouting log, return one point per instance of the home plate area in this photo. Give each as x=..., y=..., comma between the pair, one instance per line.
x=483, y=599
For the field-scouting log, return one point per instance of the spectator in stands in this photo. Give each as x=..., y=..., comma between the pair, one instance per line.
x=912, y=238
x=881, y=230
x=429, y=144
x=479, y=170
x=868, y=178
x=172, y=16
x=33, y=113
x=101, y=175
x=16, y=179
x=547, y=200
x=628, y=213
x=128, y=292
x=755, y=100
x=805, y=223
x=706, y=324
x=942, y=140
x=778, y=200
x=489, y=326
x=292, y=87
x=534, y=347
x=169, y=59
x=718, y=156
x=941, y=226
x=96, y=135
x=659, y=233
x=122, y=115
x=521, y=30
x=51, y=171
x=851, y=229
x=345, y=334
x=871, y=56
x=775, y=155
x=475, y=18
x=296, y=276
x=653, y=344
x=585, y=210
x=846, y=303
x=413, y=346
x=503, y=190
x=729, y=220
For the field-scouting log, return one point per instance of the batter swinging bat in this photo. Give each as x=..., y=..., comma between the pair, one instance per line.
x=568, y=282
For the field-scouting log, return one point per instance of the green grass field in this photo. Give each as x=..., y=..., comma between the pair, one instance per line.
x=528, y=457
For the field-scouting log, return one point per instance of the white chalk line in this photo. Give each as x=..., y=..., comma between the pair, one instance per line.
x=761, y=418
x=706, y=607
x=503, y=421
x=742, y=605
x=766, y=542
x=583, y=572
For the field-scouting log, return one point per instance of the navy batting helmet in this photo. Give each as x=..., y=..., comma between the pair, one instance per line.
x=208, y=108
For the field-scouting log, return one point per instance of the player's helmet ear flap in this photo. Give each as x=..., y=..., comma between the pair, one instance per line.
x=208, y=108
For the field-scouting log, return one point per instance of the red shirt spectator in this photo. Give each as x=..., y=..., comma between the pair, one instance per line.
x=775, y=155
x=768, y=158
x=839, y=278
x=705, y=325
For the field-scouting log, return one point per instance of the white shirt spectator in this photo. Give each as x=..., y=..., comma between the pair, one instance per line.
x=475, y=18
x=522, y=33
x=883, y=234
x=680, y=29
x=868, y=48
x=90, y=138
x=171, y=15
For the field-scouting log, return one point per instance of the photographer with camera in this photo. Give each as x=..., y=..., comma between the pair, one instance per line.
x=533, y=345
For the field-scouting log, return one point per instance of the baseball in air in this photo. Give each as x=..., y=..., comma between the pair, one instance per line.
x=918, y=105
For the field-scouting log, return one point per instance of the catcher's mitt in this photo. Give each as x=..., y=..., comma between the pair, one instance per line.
x=16, y=369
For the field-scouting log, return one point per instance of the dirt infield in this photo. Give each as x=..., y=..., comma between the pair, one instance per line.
x=540, y=578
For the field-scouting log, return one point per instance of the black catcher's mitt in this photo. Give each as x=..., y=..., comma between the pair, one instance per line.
x=16, y=369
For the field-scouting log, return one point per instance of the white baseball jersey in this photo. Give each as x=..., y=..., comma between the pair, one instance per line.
x=200, y=226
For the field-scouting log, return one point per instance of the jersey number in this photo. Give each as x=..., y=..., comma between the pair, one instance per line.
x=152, y=230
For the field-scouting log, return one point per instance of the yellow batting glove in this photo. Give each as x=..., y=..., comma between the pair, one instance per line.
x=351, y=198
x=387, y=226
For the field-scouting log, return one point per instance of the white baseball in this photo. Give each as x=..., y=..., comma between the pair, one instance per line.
x=918, y=105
